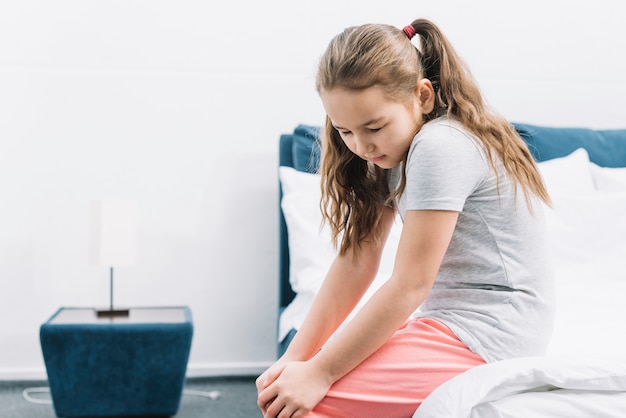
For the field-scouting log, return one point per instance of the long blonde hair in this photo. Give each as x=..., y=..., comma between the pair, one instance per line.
x=354, y=191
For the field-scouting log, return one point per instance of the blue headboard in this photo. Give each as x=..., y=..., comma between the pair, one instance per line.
x=606, y=148
x=301, y=150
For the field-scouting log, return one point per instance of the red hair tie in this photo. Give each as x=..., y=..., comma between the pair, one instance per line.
x=409, y=30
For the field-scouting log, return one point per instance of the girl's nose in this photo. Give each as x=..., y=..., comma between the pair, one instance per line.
x=363, y=146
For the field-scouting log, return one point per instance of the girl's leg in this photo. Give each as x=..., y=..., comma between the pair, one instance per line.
x=395, y=380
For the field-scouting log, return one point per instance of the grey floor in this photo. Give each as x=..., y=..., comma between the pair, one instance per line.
x=236, y=398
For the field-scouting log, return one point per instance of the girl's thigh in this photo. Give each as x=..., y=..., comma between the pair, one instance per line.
x=395, y=380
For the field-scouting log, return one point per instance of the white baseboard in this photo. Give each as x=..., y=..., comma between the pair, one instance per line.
x=227, y=369
x=193, y=370
x=24, y=373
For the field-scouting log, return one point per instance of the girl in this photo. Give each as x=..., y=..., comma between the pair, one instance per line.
x=407, y=130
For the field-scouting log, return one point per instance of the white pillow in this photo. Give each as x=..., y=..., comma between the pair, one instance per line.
x=310, y=249
x=608, y=179
x=569, y=174
x=587, y=226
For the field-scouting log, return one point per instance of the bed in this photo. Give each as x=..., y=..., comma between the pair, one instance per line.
x=583, y=373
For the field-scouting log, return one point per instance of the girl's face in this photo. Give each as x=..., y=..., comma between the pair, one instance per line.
x=371, y=125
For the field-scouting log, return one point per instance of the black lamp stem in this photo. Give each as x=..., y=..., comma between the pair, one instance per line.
x=112, y=313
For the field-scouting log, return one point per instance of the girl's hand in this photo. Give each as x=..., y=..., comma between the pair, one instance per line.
x=268, y=376
x=294, y=392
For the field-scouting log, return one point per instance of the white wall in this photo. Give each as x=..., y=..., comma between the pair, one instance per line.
x=179, y=104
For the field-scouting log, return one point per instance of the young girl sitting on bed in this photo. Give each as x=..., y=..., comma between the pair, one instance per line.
x=407, y=131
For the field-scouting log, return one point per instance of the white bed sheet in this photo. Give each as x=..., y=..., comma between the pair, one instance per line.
x=560, y=403
x=532, y=387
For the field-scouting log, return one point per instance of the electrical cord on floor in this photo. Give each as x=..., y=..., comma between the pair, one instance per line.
x=213, y=394
x=41, y=401
x=26, y=394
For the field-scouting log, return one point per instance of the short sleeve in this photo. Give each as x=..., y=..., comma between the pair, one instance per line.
x=445, y=165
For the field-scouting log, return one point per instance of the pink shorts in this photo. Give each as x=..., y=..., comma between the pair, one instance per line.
x=395, y=380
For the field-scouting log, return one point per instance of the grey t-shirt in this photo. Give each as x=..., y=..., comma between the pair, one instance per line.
x=495, y=286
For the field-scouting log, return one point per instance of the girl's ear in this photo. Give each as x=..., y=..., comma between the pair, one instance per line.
x=425, y=95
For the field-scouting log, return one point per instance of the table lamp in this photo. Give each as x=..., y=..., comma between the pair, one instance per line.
x=113, y=240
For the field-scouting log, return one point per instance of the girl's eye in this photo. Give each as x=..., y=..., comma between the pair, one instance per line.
x=374, y=129
x=344, y=133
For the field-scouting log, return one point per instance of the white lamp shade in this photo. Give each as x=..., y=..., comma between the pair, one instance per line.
x=113, y=233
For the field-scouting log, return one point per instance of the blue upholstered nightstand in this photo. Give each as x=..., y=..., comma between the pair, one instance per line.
x=132, y=365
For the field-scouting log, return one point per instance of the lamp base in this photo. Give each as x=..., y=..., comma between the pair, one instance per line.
x=113, y=313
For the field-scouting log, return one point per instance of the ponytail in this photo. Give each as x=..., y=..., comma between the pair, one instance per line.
x=458, y=96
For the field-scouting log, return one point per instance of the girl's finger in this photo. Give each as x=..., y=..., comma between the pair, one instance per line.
x=260, y=382
x=266, y=397
x=271, y=375
x=275, y=410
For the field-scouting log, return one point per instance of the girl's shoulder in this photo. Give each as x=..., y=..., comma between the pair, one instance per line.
x=444, y=126
x=445, y=136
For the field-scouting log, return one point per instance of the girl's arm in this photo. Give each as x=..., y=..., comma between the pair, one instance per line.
x=348, y=279
x=423, y=243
